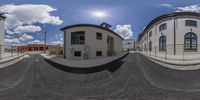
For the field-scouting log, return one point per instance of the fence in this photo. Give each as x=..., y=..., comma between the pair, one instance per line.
x=168, y=53
x=7, y=51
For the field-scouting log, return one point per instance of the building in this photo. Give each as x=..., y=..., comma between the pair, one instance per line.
x=175, y=34
x=33, y=47
x=88, y=41
x=129, y=45
x=2, y=28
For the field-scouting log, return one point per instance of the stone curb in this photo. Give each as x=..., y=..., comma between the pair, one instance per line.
x=174, y=65
x=12, y=61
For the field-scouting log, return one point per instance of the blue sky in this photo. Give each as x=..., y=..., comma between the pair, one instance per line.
x=136, y=14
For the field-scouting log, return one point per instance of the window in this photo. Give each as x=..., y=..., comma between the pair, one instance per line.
x=145, y=47
x=162, y=43
x=191, y=23
x=108, y=40
x=145, y=38
x=78, y=37
x=150, y=33
x=163, y=27
x=190, y=41
x=77, y=53
x=99, y=53
x=150, y=46
x=99, y=36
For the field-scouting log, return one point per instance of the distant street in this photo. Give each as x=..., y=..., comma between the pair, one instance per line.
x=136, y=78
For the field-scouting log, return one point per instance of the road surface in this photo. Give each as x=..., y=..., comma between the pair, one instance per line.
x=133, y=78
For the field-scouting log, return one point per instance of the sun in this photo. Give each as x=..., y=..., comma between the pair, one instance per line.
x=99, y=14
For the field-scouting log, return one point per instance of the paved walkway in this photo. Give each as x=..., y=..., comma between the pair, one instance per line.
x=83, y=63
x=175, y=64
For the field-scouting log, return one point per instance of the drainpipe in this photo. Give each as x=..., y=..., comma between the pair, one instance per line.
x=174, y=36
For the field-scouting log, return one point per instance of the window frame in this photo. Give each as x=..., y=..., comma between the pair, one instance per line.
x=162, y=43
x=99, y=52
x=150, y=46
x=190, y=42
x=75, y=54
x=99, y=36
x=78, y=38
x=191, y=23
x=163, y=27
x=150, y=34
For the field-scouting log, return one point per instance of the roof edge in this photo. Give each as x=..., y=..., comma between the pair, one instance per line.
x=168, y=16
x=91, y=25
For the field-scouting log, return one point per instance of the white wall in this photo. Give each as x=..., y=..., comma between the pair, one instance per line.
x=180, y=29
x=2, y=30
x=91, y=41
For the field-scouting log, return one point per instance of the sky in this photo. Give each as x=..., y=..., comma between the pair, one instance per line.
x=28, y=20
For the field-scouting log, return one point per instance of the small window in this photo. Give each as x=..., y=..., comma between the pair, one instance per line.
x=99, y=36
x=99, y=53
x=150, y=33
x=191, y=23
x=163, y=27
x=77, y=53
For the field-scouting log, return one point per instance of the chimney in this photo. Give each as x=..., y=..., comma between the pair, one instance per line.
x=105, y=25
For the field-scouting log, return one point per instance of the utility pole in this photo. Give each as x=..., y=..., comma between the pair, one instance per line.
x=45, y=41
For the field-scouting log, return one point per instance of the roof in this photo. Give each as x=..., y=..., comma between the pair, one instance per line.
x=105, y=24
x=168, y=16
x=91, y=25
x=2, y=16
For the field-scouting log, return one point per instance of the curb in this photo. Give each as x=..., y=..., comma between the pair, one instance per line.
x=175, y=66
x=12, y=61
x=85, y=70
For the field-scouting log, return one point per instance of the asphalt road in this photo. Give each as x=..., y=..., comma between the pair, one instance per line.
x=133, y=78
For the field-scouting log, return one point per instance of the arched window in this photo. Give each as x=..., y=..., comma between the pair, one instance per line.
x=162, y=43
x=190, y=41
x=150, y=46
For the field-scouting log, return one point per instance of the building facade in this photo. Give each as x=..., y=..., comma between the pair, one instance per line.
x=88, y=41
x=129, y=45
x=176, y=34
x=2, y=28
x=33, y=47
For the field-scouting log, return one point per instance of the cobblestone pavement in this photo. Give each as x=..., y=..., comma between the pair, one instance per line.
x=35, y=79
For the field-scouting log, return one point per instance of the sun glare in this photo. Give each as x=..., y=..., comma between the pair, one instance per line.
x=99, y=14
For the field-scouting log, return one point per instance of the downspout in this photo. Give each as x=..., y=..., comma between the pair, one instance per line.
x=174, y=36
x=65, y=48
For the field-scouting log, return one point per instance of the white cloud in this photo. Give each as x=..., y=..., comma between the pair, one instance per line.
x=12, y=41
x=27, y=29
x=124, y=31
x=165, y=5
x=36, y=42
x=21, y=19
x=26, y=37
x=192, y=8
x=57, y=43
x=19, y=15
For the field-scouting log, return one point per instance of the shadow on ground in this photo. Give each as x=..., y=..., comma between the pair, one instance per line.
x=111, y=67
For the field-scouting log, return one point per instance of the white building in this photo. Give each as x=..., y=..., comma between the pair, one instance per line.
x=88, y=41
x=129, y=45
x=2, y=29
x=176, y=34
